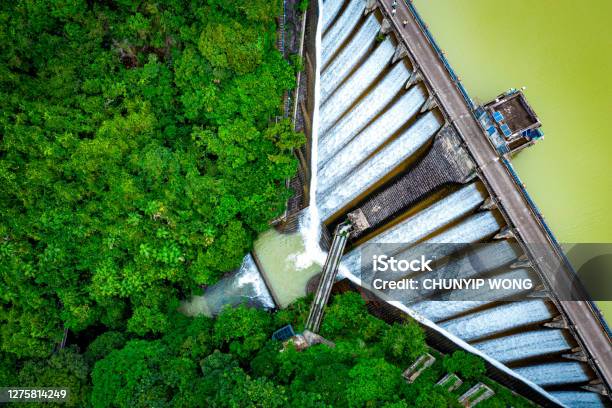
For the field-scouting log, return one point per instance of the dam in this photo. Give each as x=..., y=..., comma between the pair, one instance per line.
x=403, y=152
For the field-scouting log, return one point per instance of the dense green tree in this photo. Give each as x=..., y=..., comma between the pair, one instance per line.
x=139, y=156
x=142, y=374
x=466, y=365
x=103, y=345
x=431, y=399
x=65, y=369
x=404, y=342
x=344, y=316
x=372, y=380
x=207, y=362
x=191, y=337
x=243, y=330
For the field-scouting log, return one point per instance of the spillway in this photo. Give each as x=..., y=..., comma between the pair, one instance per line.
x=339, y=191
x=334, y=137
x=348, y=59
x=525, y=345
x=475, y=228
x=341, y=29
x=453, y=303
x=353, y=85
x=367, y=133
x=421, y=224
x=499, y=319
x=583, y=399
x=363, y=144
x=555, y=373
x=332, y=8
x=245, y=285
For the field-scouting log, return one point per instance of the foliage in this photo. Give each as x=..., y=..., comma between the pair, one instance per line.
x=303, y=5
x=142, y=374
x=243, y=330
x=66, y=369
x=344, y=315
x=466, y=365
x=372, y=380
x=212, y=362
x=103, y=345
x=404, y=342
x=139, y=156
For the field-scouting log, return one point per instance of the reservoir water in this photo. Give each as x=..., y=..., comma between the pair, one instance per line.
x=559, y=50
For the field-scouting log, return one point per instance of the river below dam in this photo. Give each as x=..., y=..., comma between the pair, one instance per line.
x=559, y=50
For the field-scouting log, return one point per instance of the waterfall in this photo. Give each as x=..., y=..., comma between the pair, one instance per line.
x=310, y=224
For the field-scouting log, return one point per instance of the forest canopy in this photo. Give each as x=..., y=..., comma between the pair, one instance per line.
x=140, y=154
x=223, y=362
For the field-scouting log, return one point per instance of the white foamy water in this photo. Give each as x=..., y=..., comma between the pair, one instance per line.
x=336, y=136
x=421, y=224
x=449, y=304
x=347, y=94
x=369, y=172
x=310, y=225
x=498, y=319
x=332, y=7
x=339, y=191
x=244, y=285
x=339, y=32
x=474, y=229
x=347, y=59
x=554, y=373
x=579, y=399
x=524, y=345
x=374, y=135
x=249, y=276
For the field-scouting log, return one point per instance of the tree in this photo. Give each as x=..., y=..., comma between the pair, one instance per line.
x=404, y=342
x=139, y=158
x=344, y=316
x=372, y=381
x=243, y=330
x=466, y=365
x=65, y=369
x=431, y=399
x=142, y=374
x=103, y=345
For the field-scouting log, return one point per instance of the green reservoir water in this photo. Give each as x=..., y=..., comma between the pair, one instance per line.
x=559, y=50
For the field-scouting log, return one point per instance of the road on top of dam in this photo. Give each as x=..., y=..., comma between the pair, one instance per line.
x=500, y=182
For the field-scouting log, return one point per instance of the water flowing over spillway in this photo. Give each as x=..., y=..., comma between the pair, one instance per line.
x=525, y=345
x=337, y=165
x=350, y=56
x=332, y=8
x=365, y=109
x=341, y=191
x=246, y=285
x=555, y=373
x=496, y=320
x=340, y=30
x=372, y=121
